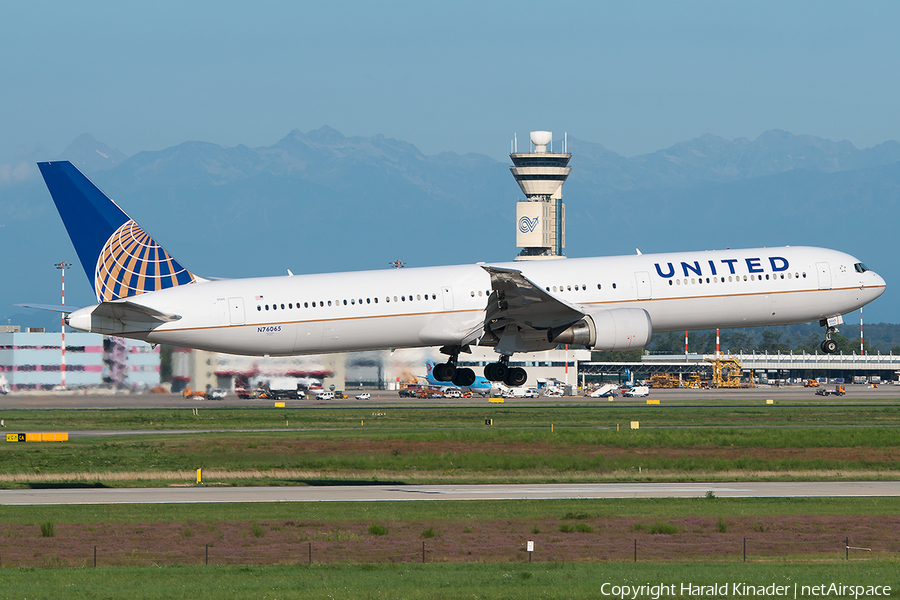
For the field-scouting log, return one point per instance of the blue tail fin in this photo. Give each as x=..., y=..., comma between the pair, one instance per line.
x=119, y=258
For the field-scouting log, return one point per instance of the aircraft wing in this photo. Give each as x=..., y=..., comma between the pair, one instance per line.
x=520, y=312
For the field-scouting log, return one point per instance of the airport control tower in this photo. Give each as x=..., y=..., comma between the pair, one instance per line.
x=541, y=218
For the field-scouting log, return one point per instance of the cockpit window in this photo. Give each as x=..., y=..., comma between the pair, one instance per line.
x=860, y=268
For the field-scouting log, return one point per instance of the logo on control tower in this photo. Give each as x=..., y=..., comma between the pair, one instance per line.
x=527, y=225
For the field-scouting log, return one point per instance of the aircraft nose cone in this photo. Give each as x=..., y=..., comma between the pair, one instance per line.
x=875, y=284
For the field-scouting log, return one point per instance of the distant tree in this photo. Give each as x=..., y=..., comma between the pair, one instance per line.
x=668, y=342
x=618, y=356
x=734, y=341
x=771, y=342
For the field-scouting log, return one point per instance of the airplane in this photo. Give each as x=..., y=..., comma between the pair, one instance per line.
x=604, y=303
x=480, y=383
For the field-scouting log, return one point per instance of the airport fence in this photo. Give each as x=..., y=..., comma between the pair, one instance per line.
x=47, y=552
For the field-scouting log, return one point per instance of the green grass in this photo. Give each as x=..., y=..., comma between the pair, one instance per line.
x=705, y=412
x=428, y=581
x=479, y=454
x=448, y=510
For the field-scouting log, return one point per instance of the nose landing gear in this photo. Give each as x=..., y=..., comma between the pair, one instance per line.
x=829, y=346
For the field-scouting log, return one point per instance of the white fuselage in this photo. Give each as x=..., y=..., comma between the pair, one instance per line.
x=398, y=308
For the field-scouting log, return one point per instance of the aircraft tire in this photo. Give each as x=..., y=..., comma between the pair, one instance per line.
x=464, y=377
x=516, y=377
x=444, y=371
x=495, y=371
x=829, y=347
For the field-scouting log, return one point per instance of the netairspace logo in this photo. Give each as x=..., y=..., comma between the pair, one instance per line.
x=527, y=225
x=742, y=590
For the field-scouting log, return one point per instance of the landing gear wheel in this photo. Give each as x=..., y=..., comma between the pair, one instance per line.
x=495, y=371
x=516, y=377
x=829, y=347
x=464, y=377
x=444, y=371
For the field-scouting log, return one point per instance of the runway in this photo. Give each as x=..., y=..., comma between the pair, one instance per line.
x=393, y=493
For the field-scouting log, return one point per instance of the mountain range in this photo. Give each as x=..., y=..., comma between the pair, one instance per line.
x=321, y=201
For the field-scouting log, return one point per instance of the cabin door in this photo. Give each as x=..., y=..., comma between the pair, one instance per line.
x=824, y=270
x=447, y=294
x=642, y=279
x=236, y=310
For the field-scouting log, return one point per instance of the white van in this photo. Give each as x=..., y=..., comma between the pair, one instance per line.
x=325, y=396
x=637, y=391
x=522, y=393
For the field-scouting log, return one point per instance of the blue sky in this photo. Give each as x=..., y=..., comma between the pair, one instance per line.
x=459, y=76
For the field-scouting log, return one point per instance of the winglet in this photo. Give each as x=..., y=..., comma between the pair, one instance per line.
x=118, y=257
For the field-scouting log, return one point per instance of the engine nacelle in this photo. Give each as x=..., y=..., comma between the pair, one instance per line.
x=607, y=329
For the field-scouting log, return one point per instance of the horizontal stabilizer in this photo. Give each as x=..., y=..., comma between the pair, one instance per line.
x=119, y=318
x=133, y=313
x=51, y=307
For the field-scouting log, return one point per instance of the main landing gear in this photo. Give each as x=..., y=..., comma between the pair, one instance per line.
x=464, y=377
x=501, y=371
x=448, y=371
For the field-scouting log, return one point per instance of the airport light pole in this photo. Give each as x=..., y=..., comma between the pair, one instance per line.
x=62, y=266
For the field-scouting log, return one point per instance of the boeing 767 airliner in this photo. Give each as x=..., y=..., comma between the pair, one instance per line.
x=606, y=303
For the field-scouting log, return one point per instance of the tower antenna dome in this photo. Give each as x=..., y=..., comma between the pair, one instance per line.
x=540, y=139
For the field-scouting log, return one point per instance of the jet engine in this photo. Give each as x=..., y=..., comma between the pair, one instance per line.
x=607, y=329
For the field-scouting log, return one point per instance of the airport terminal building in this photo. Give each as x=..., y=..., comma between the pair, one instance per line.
x=31, y=360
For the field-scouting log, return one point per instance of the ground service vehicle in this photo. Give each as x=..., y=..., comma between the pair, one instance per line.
x=637, y=391
x=836, y=391
x=281, y=388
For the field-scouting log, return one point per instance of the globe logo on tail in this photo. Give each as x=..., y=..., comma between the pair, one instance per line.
x=132, y=263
